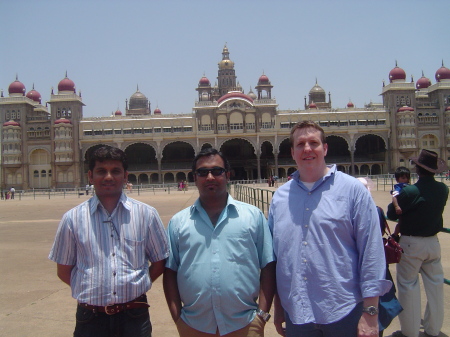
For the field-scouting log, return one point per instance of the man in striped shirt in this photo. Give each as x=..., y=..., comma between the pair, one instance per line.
x=103, y=248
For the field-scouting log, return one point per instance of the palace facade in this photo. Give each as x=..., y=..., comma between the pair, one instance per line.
x=48, y=145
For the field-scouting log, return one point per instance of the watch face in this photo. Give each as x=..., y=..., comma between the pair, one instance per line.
x=371, y=310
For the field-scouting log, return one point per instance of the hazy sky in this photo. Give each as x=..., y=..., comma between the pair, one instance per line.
x=165, y=47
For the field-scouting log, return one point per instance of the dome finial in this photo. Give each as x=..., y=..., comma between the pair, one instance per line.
x=66, y=73
x=17, y=76
x=137, y=87
x=423, y=74
x=396, y=63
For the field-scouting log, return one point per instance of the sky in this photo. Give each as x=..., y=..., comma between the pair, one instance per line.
x=108, y=48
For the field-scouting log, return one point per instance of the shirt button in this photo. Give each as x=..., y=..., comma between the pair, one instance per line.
x=307, y=209
x=305, y=278
x=306, y=226
x=113, y=254
x=112, y=235
x=114, y=293
x=304, y=260
x=305, y=243
x=309, y=193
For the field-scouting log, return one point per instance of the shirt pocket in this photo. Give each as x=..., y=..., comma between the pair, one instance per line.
x=134, y=253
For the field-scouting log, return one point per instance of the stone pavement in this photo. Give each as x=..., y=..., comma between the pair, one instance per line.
x=33, y=302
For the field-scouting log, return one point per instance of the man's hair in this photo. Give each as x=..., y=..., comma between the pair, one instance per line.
x=402, y=171
x=107, y=152
x=304, y=125
x=209, y=151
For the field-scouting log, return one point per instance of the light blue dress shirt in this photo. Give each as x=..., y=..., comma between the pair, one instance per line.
x=328, y=247
x=110, y=252
x=218, y=268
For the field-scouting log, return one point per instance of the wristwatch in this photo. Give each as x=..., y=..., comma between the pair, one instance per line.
x=264, y=315
x=372, y=311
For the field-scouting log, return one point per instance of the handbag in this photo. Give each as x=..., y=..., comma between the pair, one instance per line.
x=392, y=249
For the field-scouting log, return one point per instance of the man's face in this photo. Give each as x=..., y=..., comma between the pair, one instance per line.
x=211, y=186
x=307, y=150
x=108, y=178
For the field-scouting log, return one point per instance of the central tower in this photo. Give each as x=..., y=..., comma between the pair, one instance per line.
x=226, y=75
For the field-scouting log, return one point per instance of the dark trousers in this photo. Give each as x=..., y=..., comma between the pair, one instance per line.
x=128, y=323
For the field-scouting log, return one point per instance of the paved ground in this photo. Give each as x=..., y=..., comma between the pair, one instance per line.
x=33, y=302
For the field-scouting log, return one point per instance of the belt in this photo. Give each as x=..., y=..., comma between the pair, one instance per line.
x=140, y=302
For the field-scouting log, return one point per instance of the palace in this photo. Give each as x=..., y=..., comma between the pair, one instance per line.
x=48, y=146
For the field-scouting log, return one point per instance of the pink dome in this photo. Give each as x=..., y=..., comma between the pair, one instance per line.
x=34, y=95
x=118, y=113
x=442, y=73
x=204, y=82
x=397, y=74
x=157, y=111
x=423, y=82
x=62, y=120
x=11, y=123
x=350, y=105
x=313, y=106
x=16, y=87
x=405, y=108
x=263, y=79
x=234, y=95
x=66, y=84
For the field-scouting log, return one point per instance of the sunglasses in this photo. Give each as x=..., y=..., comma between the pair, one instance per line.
x=215, y=171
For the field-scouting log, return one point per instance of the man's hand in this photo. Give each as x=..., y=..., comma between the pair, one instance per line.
x=278, y=316
x=368, y=325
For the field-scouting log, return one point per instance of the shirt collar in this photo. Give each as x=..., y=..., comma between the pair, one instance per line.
x=123, y=200
x=332, y=170
x=231, y=204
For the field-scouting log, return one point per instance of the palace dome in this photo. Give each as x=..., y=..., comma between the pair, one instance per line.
x=34, y=95
x=11, y=123
x=423, y=82
x=397, y=74
x=63, y=121
x=443, y=73
x=66, y=84
x=16, y=87
x=204, y=82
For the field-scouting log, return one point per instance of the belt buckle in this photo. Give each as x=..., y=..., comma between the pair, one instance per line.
x=111, y=309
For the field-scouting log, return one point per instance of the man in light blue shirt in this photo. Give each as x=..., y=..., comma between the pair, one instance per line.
x=330, y=259
x=221, y=259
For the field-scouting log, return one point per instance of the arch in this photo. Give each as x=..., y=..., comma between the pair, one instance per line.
x=143, y=179
x=369, y=148
x=364, y=170
x=338, y=150
x=267, y=160
x=154, y=178
x=180, y=176
x=132, y=178
x=141, y=157
x=40, y=165
x=169, y=178
x=177, y=154
x=205, y=146
x=376, y=169
x=429, y=141
x=240, y=153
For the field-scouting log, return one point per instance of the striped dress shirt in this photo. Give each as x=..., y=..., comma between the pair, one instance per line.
x=110, y=252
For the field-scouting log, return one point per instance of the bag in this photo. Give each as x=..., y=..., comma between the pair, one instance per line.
x=392, y=249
